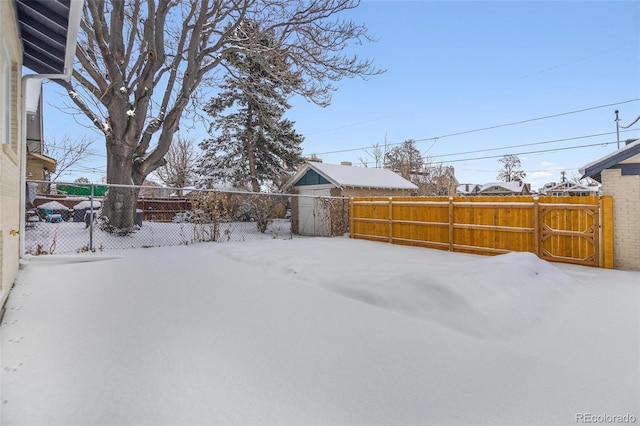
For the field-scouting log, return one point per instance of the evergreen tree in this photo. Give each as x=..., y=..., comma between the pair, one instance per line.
x=251, y=141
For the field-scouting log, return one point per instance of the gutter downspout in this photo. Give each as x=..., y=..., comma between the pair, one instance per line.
x=75, y=13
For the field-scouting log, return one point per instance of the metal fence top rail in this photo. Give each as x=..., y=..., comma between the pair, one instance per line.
x=161, y=188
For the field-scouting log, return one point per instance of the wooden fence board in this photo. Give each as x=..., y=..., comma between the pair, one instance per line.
x=563, y=229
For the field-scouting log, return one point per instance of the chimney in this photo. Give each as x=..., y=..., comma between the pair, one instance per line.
x=346, y=163
x=466, y=187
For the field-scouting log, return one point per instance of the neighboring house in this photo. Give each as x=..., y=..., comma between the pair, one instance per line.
x=435, y=181
x=310, y=217
x=39, y=166
x=547, y=186
x=619, y=173
x=571, y=189
x=468, y=189
x=505, y=188
x=39, y=35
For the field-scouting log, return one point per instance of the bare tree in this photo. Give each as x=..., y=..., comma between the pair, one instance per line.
x=511, y=171
x=178, y=169
x=376, y=152
x=142, y=63
x=67, y=153
x=435, y=179
x=405, y=159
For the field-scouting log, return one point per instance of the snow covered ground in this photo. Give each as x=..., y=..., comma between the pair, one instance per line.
x=318, y=331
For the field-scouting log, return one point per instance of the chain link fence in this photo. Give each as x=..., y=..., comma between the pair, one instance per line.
x=66, y=217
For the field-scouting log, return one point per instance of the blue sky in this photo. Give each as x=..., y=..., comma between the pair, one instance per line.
x=455, y=67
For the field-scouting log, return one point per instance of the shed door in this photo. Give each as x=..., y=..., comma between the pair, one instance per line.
x=314, y=217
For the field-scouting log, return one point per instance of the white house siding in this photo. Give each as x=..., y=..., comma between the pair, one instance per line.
x=10, y=133
x=626, y=217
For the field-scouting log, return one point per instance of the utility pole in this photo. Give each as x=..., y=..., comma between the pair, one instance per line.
x=618, y=128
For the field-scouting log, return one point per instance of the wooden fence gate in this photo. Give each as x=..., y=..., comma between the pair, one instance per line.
x=575, y=230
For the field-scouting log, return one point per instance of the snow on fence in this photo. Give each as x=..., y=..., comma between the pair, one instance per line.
x=165, y=217
x=561, y=229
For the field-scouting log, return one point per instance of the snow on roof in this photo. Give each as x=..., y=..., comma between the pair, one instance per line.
x=595, y=167
x=573, y=186
x=511, y=186
x=53, y=205
x=87, y=204
x=463, y=187
x=359, y=177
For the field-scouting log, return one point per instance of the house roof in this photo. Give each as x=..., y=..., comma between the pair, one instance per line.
x=462, y=188
x=48, y=31
x=48, y=163
x=509, y=186
x=355, y=177
x=630, y=153
x=572, y=187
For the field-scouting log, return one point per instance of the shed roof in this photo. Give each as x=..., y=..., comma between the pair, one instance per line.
x=355, y=177
x=630, y=153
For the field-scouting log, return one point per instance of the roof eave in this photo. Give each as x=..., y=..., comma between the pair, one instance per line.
x=595, y=168
x=49, y=33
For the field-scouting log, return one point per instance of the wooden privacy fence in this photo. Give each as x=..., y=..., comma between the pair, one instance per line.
x=561, y=229
x=163, y=209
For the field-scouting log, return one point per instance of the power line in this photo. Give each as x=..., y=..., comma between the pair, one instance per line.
x=434, y=138
x=556, y=169
x=71, y=148
x=509, y=147
x=527, y=152
x=534, y=152
x=526, y=144
x=634, y=122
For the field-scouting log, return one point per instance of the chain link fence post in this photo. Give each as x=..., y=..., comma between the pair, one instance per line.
x=91, y=218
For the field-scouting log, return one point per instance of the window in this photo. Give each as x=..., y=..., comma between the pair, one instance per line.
x=15, y=107
x=5, y=98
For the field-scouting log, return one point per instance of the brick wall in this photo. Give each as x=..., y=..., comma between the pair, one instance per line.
x=626, y=217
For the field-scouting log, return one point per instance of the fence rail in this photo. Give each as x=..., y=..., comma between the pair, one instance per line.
x=561, y=229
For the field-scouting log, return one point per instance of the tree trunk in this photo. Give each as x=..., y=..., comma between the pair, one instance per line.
x=251, y=155
x=120, y=202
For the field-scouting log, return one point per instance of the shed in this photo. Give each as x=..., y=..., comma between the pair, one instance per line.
x=619, y=173
x=316, y=216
